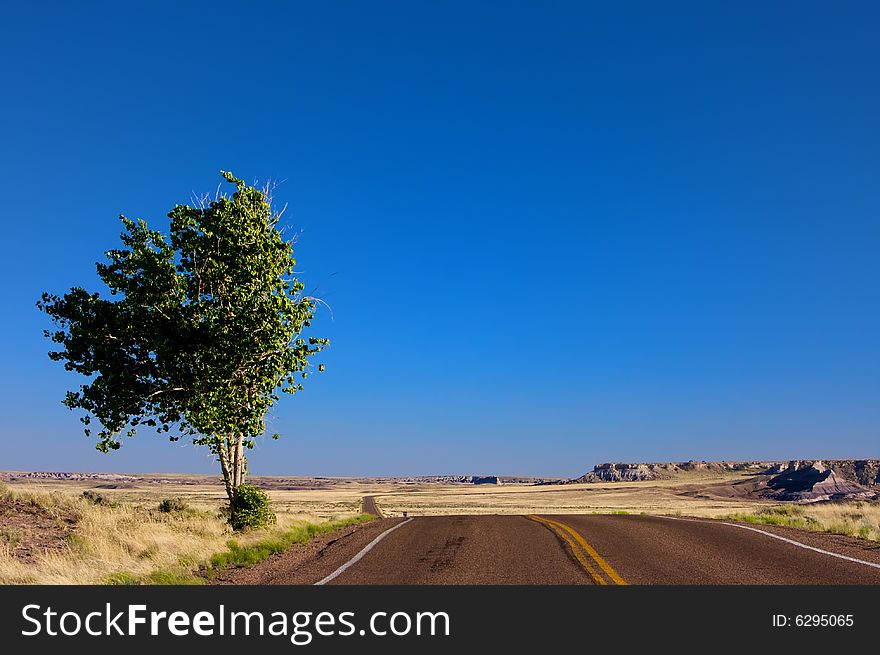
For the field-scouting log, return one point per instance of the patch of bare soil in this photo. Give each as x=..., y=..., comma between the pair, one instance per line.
x=746, y=488
x=29, y=530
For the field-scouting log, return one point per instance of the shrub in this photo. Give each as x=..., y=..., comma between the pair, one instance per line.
x=95, y=498
x=169, y=505
x=250, y=508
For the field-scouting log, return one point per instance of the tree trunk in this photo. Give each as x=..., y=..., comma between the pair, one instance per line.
x=233, y=462
x=239, y=468
x=226, y=467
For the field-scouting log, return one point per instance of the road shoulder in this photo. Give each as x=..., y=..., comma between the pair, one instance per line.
x=305, y=564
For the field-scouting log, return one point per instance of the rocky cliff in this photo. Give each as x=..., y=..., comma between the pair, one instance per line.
x=617, y=472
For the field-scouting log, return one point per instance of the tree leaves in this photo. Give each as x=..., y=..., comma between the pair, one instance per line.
x=203, y=328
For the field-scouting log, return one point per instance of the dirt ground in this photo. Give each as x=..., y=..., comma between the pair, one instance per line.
x=28, y=530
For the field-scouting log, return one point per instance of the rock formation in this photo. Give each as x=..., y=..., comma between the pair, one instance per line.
x=815, y=481
x=795, y=480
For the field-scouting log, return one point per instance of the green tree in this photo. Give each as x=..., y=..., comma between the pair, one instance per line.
x=203, y=330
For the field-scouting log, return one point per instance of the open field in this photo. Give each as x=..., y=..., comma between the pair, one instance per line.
x=51, y=534
x=694, y=493
x=300, y=498
x=693, y=496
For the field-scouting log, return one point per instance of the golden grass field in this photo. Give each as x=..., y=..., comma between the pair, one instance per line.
x=129, y=539
x=207, y=493
x=684, y=496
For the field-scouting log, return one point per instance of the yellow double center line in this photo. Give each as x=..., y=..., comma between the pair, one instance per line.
x=585, y=554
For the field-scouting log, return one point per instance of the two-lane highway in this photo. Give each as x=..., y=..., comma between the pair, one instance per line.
x=465, y=550
x=604, y=549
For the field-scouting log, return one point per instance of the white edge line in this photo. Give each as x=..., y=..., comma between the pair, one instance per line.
x=356, y=558
x=776, y=536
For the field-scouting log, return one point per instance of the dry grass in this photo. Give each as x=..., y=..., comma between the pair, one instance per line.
x=342, y=497
x=694, y=496
x=125, y=542
x=852, y=518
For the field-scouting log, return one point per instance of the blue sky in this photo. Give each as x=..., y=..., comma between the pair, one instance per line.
x=552, y=234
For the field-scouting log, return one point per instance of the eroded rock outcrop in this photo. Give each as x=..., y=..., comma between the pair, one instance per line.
x=794, y=480
x=617, y=472
x=806, y=481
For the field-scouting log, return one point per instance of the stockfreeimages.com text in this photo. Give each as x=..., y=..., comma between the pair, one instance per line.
x=300, y=627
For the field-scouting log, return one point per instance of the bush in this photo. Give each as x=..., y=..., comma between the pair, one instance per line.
x=169, y=505
x=96, y=498
x=250, y=508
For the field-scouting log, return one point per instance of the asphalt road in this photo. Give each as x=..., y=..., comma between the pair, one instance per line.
x=368, y=506
x=595, y=549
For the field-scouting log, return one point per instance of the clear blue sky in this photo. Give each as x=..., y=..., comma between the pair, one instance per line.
x=552, y=234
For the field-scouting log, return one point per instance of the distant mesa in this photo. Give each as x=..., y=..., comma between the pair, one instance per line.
x=56, y=475
x=795, y=480
x=288, y=483
x=618, y=472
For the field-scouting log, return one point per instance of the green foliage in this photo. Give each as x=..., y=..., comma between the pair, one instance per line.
x=238, y=555
x=121, y=578
x=172, y=578
x=249, y=508
x=202, y=329
x=788, y=515
x=843, y=528
x=169, y=505
x=154, y=578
